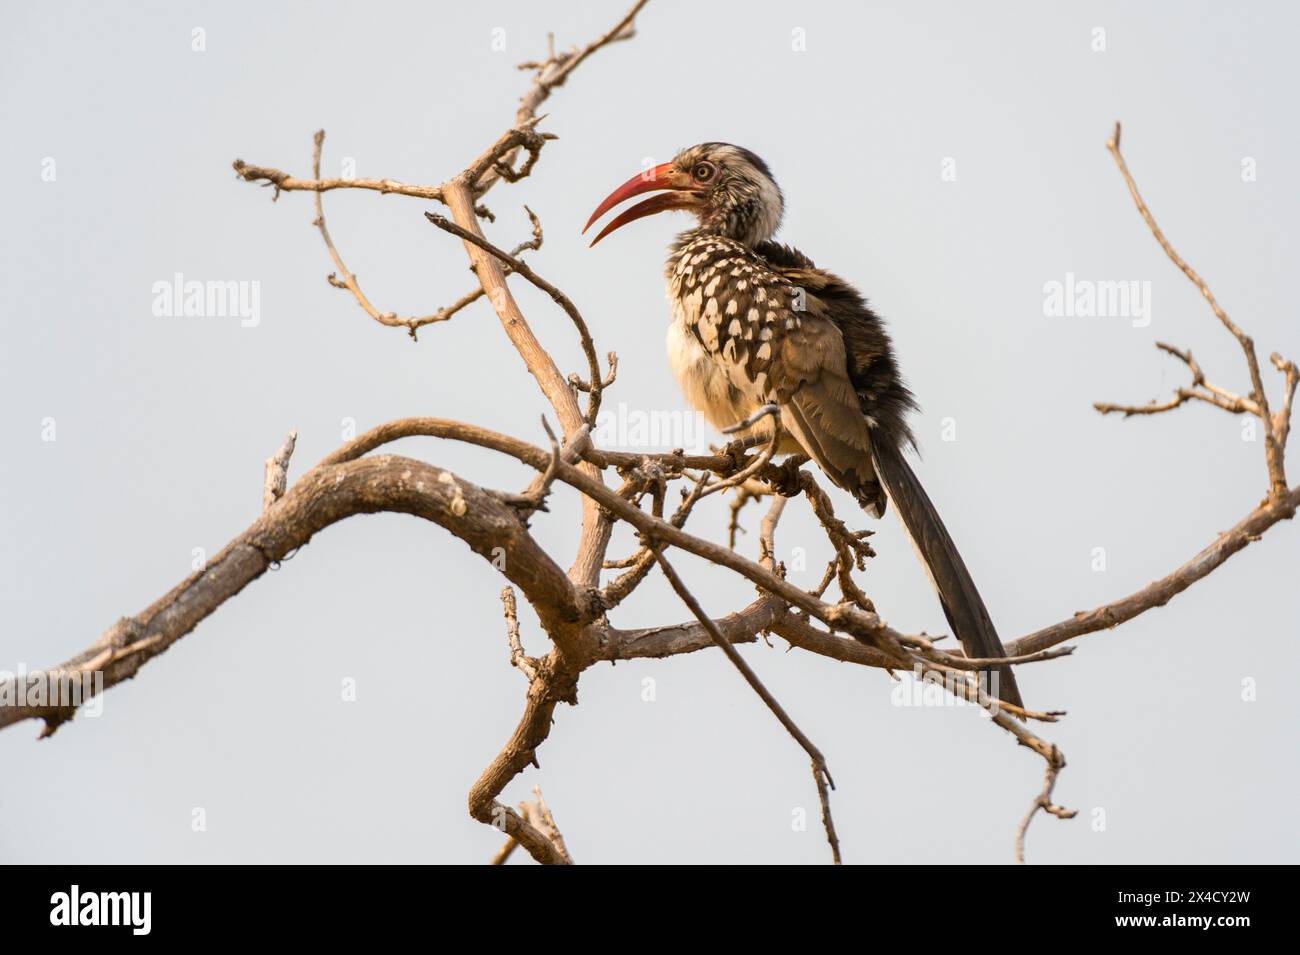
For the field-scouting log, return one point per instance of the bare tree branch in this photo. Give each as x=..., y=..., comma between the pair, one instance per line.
x=1274, y=449
x=821, y=773
x=349, y=281
x=1281, y=502
x=1200, y=390
x=518, y=659
x=1055, y=763
x=551, y=74
x=283, y=182
x=539, y=816
x=324, y=496
x=595, y=385
x=572, y=608
x=1160, y=592
x=520, y=752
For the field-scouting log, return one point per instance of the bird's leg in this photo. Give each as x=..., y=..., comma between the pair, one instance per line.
x=736, y=449
x=762, y=412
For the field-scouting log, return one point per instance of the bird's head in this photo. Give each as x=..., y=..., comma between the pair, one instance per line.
x=729, y=188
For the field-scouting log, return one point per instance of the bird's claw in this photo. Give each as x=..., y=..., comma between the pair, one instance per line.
x=736, y=451
x=786, y=480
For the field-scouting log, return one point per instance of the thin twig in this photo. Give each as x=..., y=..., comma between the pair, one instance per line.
x=349, y=280
x=1272, y=448
x=545, y=820
x=595, y=386
x=821, y=773
x=767, y=533
x=1200, y=390
x=520, y=660
x=1282, y=420
x=534, y=499
x=1043, y=801
x=505, y=852
x=535, y=243
x=746, y=492
x=551, y=74
x=283, y=182
x=539, y=816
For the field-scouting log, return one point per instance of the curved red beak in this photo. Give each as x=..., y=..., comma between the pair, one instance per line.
x=660, y=177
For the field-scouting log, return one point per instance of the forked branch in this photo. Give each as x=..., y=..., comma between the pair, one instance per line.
x=572, y=607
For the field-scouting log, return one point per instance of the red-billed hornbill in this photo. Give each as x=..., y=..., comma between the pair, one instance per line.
x=755, y=323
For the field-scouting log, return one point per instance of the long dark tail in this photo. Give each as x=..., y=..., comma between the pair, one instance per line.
x=961, y=601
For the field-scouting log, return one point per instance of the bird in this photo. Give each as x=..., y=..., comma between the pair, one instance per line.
x=756, y=324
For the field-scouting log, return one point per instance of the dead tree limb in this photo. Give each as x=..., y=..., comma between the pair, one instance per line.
x=574, y=607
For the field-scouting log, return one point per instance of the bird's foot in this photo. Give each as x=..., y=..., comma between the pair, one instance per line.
x=786, y=481
x=736, y=451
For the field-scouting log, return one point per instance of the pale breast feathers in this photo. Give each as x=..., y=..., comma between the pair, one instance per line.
x=747, y=333
x=741, y=312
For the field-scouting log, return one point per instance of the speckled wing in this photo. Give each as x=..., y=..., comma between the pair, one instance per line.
x=766, y=326
x=884, y=401
x=820, y=406
x=775, y=342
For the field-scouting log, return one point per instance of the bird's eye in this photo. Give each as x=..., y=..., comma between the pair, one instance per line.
x=703, y=172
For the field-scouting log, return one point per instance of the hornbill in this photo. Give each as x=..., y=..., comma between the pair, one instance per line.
x=756, y=323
